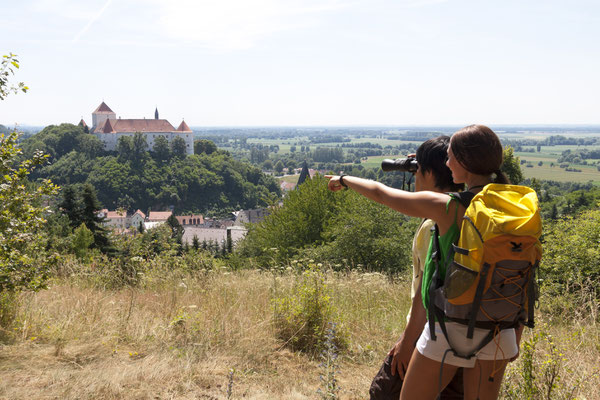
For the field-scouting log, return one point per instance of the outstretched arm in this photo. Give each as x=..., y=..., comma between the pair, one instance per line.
x=424, y=204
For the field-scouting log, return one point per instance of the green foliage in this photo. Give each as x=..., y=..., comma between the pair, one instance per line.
x=7, y=67
x=343, y=228
x=301, y=318
x=81, y=241
x=81, y=207
x=23, y=261
x=571, y=260
x=511, y=166
x=541, y=370
x=559, y=201
x=161, y=151
x=204, y=146
x=330, y=366
x=279, y=167
x=176, y=229
x=298, y=224
x=131, y=178
x=178, y=147
x=365, y=233
x=58, y=141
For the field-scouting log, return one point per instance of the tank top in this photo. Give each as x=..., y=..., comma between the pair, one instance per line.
x=445, y=240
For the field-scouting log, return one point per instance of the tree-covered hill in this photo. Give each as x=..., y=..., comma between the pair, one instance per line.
x=131, y=177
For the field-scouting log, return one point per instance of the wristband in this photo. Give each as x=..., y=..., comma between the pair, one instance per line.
x=342, y=181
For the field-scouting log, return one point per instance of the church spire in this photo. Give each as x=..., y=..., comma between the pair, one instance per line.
x=156, y=113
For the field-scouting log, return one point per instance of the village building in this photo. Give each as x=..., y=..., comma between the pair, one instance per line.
x=116, y=220
x=159, y=216
x=194, y=220
x=108, y=128
x=244, y=217
x=137, y=218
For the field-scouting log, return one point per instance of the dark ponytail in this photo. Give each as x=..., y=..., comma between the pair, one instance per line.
x=500, y=177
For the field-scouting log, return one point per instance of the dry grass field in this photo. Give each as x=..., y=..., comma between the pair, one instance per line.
x=211, y=336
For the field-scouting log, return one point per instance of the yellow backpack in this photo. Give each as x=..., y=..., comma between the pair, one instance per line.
x=490, y=274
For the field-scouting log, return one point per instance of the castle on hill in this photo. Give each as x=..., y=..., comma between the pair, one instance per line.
x=108, y=128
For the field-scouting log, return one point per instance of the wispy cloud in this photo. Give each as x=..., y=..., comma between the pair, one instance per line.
x=237, y=24
x=91, y=21
x=421, y=3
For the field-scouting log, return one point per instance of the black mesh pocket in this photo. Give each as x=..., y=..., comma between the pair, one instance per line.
x=458, y=280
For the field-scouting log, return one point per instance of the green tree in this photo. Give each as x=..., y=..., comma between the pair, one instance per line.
x=125, y=148
x=299, y=223
x=571, y=258
x=23, y=260
x=367, y=233
x=204, y=146
x=179, y=147
x=23, y=264
x=161, y=148
x=511, y=166
x=268, y=165
x=176, y=228
x=91, y=219
x=70, y=206
x=81, y=241
x=279, y=166
x=139, y=145
x=7, y=67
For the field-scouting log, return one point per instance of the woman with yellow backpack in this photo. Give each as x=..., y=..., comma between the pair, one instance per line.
x=482, y=341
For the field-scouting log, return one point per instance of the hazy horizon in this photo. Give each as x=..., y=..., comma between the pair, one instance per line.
x=306, y=62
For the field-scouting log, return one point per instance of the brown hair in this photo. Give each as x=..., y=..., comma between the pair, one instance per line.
x=479, y=151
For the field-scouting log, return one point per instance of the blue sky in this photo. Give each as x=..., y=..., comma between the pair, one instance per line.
x=306, y=62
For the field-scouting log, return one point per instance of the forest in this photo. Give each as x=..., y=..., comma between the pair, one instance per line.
x=133, y=178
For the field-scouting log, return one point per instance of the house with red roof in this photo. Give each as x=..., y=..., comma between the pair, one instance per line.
x=108, y=128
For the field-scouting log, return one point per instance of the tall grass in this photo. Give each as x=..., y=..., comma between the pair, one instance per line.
x=179, y=332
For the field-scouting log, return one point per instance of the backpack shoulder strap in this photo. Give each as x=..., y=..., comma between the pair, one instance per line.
x=464, y=198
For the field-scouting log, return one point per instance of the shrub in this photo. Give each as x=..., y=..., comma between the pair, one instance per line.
x=297, y=224
x=366, y=233
x=571, y=253
x=542, y=370
x=23, y=260
x=301, y=318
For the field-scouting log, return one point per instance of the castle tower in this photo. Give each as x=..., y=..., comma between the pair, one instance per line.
x=101, y=114
x=187, y=134
x=156, y=113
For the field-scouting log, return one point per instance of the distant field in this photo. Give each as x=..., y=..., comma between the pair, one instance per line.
x=558, y=174
x=547, y=155
x=289, y=178
x=550, y=155
x=285, y=144
x=375, y=161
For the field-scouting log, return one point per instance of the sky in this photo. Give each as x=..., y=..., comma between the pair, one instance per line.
x=305, y=62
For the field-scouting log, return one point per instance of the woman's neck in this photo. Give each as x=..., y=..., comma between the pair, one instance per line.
x=477, y=182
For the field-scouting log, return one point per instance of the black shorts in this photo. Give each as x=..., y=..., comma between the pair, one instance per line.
x=386, y=386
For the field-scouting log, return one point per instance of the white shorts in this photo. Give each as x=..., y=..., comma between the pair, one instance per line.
x=502, y=347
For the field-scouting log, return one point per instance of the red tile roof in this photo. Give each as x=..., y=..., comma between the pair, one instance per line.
x=141, y=213
x=135, y=125
x=142, y=125
x=159, y=215
x=106, y=127
x=183, y=127
x=116, y=214
x=103, y=108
